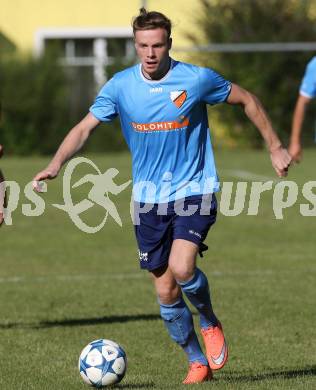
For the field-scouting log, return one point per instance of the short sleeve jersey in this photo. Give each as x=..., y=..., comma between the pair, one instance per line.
x=166, y=128
x=308, y=85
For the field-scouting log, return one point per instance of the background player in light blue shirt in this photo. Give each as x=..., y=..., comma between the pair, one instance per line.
x=162, y=108
x=306, y=93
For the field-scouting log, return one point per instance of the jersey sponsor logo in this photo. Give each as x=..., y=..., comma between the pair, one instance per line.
x=178, y=97
x=160, y=126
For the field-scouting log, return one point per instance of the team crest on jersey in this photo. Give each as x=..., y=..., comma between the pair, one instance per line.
x=178, y=97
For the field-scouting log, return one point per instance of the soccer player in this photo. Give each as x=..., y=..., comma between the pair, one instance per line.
x=161, y=103
x=306, y=93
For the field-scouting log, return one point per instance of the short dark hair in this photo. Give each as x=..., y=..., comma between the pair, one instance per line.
x=151, y=20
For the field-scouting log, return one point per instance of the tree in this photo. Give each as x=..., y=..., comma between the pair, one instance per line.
x=37, y=106
x=273, y=76
x=33, y=97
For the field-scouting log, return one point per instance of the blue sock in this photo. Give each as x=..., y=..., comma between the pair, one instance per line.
x=179, y=323
x=198, y=293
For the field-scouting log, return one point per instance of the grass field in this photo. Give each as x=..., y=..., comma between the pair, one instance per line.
x=61, y=288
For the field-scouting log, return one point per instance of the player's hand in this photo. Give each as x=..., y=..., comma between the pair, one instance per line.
x=47, y=174
x=295, y=151
x=281, y=161
x=1, y=150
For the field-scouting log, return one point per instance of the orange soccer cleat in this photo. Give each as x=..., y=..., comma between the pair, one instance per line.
x=198, y=373
x=216, y=347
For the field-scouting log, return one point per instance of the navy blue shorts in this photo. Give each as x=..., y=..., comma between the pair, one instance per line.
x=157, y=228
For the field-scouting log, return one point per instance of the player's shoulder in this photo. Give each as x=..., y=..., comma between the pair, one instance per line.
x=197, y=70
x=185, y=66
x=126, y=73
x=121, y=79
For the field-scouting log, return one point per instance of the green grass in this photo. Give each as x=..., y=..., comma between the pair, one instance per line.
x=61, y=288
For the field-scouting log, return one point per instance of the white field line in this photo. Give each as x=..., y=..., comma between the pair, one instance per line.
x=246, y=175
x=130, y=276
x=67, y=278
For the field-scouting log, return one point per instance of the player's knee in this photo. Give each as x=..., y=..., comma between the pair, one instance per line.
x=168, y=294
x=182, y=270
x=182, y=273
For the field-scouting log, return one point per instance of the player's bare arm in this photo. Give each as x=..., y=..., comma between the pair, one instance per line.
x=73, y=142
x=280, y=158
x=295, y=148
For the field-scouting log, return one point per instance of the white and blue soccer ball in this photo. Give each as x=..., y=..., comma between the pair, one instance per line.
x=102, y=363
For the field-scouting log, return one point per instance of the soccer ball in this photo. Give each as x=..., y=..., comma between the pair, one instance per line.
x=102, y=363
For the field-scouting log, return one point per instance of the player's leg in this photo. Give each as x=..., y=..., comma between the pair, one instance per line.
x=179, y=323
x=192, y=280
x=155, y=237
x=195, y=285
x=189, y=235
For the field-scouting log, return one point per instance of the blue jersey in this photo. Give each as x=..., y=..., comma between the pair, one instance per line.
x=166, y=128
x=308, y=85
